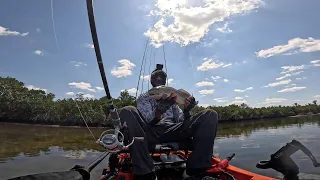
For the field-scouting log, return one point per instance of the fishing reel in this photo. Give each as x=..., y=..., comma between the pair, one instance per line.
x=112, y=142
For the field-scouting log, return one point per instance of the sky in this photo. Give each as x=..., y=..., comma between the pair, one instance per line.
x=258, y=52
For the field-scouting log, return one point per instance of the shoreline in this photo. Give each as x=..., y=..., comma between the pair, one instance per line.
x=304, y=115
x=101, y=127
x=50, y=125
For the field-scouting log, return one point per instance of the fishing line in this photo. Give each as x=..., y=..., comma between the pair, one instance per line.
x=54, y=27
x=154, y=59
x=144, y=53
x=94, y=138
x=165, y=62
x=190, y=60
x=144, y=69
x=150, y=70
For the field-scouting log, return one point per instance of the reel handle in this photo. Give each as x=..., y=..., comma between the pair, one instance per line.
x=139, y=138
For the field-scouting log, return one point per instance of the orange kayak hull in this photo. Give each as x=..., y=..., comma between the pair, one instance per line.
x=238, y=173
x=241, y=174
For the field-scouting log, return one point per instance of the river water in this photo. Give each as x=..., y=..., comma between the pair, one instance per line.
x=27, y=149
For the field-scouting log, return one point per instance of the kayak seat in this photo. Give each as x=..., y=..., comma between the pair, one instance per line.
x=165, y=161
x=185, y=145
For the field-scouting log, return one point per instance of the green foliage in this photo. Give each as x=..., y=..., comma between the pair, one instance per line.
x=19, y=104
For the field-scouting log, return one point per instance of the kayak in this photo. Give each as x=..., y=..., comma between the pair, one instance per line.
x=220, y=169
x=170, y=163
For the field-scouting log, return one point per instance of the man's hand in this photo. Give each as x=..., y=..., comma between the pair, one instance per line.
x=164, y=102
x=171, y=97
x=189, y=104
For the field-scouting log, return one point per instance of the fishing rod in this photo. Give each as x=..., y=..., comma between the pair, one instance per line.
x=109, y=141
x=98, y=53
x=112, y=110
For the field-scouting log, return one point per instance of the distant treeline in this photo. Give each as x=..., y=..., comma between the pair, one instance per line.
x=22, y=105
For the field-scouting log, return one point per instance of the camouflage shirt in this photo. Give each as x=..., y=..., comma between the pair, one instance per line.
x=146, y=106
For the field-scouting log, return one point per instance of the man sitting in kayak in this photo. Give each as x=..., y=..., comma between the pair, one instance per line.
x=164, y=122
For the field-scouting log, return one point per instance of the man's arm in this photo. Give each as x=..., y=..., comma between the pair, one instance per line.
x=151, y=110
x=146, y=108
x=177, y=113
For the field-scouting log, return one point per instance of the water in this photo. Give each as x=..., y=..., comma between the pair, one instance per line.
x=27, y=149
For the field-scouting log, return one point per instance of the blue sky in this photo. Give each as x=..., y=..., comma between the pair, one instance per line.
x=260, y=52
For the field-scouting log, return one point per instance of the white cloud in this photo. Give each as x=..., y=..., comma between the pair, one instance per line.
x=130, y=91
x=297, y=73
x=278, y=83
x=170, y=81
x=35, y=88
x=287, y=69
x=315, y=62
x=273, y=100
x=225, y=28
x=243, y=90
x=82, y=85
x=78, y=63
x=298, y=44
x=220, y=100
x=238, y=102
x=226, y=80
x=38, y=30
x=124, y=70
x=204, y=105
x=301, y=78
x=227, y=65
x=99, y=88
x=190, y=23
x=206, y=91
x=147, y=77
x=38, y=52
x=292, y=89
x=208, y=65
x=89, y=45
x=316, y=96
x=6, y=32
x=238, y=98
x=215, y=78
x=89, y=96
x=70, y=93
x=204, y=83
x=283, y=77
